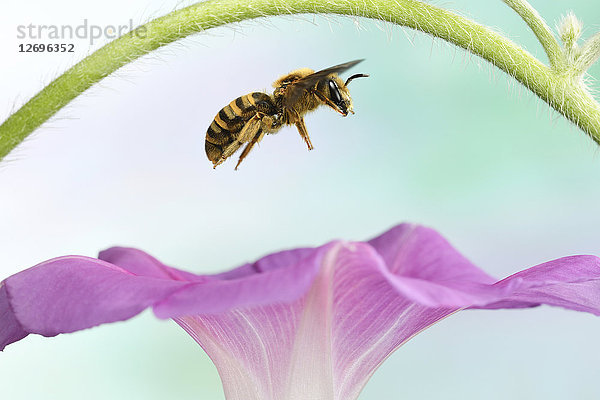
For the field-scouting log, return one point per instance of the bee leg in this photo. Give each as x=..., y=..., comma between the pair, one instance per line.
x=246, y=134
x=302, y=130
x=257, y=138
x=227, y=152
x=328, y=102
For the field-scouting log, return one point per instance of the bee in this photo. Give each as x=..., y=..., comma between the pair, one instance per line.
x=247, y=119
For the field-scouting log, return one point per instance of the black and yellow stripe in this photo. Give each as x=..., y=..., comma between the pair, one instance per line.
x=228, y=123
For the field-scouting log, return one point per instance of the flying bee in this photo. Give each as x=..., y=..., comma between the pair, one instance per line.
x=247, y=119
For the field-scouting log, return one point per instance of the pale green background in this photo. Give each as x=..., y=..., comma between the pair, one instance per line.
x=439, y=138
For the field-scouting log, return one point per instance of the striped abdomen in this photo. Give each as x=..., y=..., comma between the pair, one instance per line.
x=228, y=123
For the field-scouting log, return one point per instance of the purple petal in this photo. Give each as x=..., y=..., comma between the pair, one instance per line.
x=325, y=344
x=71, y=293
x=414, y=251
x=278, y=278
x=10, y=328
x=365, y=302
x=143, y=264
x=304, y=323
x=425, y=268
x=569, y=282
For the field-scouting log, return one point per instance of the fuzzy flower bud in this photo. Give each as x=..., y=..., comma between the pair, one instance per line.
x=570, y=29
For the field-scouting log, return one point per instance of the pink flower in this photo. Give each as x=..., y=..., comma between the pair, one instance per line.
x=309, y=323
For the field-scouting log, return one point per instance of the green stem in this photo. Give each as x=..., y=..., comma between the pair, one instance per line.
x=541, y=30
x=561, y=91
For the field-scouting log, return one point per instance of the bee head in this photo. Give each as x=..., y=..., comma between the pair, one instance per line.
x=338, y=94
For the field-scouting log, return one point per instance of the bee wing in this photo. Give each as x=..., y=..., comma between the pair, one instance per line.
x=295, y=90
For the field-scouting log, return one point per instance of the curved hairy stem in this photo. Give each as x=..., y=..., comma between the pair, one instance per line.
x=561, y=91
x=541, y=30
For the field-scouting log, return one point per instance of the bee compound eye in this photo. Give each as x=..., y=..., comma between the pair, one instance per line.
x=334, y=92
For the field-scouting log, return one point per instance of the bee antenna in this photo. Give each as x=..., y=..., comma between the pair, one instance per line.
x=354, y=77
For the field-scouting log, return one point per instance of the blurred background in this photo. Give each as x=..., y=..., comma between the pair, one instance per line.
x=439, y=138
